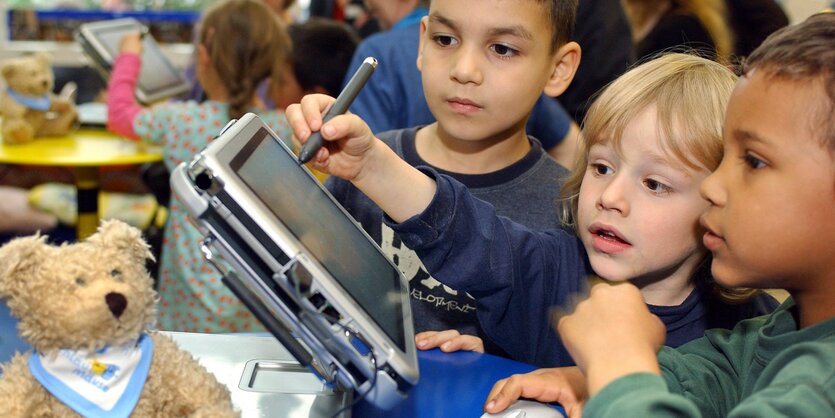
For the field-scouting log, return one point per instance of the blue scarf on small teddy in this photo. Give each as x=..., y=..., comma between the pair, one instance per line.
x=96, y=384
x=32, y=102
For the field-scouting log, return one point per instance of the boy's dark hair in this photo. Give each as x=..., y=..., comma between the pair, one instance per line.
x=805, y=51
x=562, y=15
x=322, y=51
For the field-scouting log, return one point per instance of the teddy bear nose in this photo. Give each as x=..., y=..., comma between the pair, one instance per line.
x=116, y=302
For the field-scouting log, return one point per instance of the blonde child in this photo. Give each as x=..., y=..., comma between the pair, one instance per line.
x=652, y=137
x=239, y=45
x=770, y=224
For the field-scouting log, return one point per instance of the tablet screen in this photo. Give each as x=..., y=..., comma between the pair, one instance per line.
x=339, y=245
x=156, y=73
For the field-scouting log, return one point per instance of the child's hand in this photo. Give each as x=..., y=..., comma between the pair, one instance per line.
x=612, y=334
x=60, y=105
x=351, y=151
x=449, y=341
x=131, y=43
x=348, y=140
x=564, y=385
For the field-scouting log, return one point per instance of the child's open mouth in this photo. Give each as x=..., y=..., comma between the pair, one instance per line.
x=608, y=241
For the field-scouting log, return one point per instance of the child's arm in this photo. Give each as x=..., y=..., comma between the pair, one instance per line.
x=514, y=274
x=760, y=369
x=613, y=337
x=352, y=152
x=612, y=334
x=122, y=107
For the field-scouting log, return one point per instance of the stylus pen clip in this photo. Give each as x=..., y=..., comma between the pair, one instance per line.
x=340, y=106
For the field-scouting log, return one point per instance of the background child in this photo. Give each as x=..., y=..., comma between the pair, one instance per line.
x=652, y=136
x=322, y=50
x=770, y=224
x=664, y=25
x=480, y=87
x=240, y=44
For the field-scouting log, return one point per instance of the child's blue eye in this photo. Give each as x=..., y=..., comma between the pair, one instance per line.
x=753, y=161
x=656, y=186
x=444, y=40
x=504, y=50
x=601, y=169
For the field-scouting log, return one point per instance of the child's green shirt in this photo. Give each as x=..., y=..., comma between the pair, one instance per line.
x=765, y=367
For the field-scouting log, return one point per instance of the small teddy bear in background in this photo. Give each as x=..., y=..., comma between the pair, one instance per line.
x=86, y=308
x=28, y=107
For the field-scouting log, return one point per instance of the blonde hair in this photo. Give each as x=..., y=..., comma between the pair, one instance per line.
x=690, y=95
x=246, y=42
x=712, y=14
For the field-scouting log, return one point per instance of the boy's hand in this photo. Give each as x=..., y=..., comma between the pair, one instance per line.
x=348, y=139
x=131, y=43
x=564, y=385
x=350, y=151
x=612, y=334
x=449, y=341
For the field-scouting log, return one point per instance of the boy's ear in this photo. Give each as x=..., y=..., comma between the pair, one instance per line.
x=424, y=22
x=566, y=61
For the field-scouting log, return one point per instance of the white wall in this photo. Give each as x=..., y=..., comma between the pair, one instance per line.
x=797, y=10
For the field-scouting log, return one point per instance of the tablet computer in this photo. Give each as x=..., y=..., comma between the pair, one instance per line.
x=158, y=78
x=300, y=262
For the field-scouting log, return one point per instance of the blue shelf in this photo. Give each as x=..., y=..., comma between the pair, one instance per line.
x=183, y=16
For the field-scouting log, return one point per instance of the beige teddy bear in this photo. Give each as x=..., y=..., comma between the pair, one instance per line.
x=85, y=308
x=27, y=105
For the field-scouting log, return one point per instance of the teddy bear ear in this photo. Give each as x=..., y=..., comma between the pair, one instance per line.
x=119, y=235
x=18, y=259
x=9, y=69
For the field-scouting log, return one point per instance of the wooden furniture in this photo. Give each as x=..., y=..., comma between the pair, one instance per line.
x=84, y=151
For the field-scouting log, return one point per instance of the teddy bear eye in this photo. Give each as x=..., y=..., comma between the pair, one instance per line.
x=116, y=273
x=80, y=281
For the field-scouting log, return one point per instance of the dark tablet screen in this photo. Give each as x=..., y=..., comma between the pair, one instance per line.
x=302, y=205
x=157, y=73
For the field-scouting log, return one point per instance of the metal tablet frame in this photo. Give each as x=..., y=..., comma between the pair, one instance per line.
x=86, y=37
x=291, y=293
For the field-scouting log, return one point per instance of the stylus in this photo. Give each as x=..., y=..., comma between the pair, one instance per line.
x=340, y=106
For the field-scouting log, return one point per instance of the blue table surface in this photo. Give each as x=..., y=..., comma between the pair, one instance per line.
x=451, y=384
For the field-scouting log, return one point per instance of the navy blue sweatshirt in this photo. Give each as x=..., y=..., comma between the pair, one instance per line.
x=517, y=275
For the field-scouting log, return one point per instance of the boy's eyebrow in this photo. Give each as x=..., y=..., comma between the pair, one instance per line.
x=442, y=20
x=515, y=30
x=744, y=135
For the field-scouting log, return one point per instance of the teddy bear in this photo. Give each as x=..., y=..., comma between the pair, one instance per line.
x=28, y=107
x=86, y=308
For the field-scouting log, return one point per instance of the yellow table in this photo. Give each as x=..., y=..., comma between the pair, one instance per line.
x=84, y=150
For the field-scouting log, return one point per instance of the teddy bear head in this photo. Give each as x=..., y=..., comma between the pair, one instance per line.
x=80, y=296
x=29, y=75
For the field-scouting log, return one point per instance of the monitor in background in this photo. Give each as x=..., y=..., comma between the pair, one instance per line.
x=158, y=77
